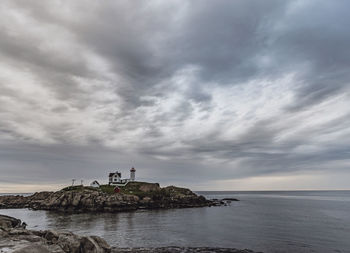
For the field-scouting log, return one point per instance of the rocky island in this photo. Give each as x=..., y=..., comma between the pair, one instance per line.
x=134, y=196
x=15, y=238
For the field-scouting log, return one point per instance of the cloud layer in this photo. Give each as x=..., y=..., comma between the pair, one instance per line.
x=190, y=92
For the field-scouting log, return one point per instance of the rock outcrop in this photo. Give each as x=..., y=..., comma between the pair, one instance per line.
x=15, y=238
x=86, y=199
x=7, y=222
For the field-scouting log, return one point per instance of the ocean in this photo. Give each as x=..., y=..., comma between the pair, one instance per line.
x=275, y=221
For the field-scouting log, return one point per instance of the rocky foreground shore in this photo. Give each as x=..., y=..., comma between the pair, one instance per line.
x=15, y=238
x=87, y=199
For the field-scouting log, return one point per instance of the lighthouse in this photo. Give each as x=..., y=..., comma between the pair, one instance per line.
x=132, y=174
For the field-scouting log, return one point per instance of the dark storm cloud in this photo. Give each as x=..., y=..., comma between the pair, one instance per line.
x=182, y=87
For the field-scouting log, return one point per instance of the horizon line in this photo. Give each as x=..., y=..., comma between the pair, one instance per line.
x=310, y=190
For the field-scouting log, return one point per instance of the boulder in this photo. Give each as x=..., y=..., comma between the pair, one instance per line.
x=94, y=244
x=7, y=222
x=149, y=187
x=15, y=238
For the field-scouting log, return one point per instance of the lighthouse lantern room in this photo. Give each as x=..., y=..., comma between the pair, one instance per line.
x=132, y=174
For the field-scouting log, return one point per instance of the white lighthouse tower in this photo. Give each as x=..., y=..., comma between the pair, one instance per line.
x=132, y=174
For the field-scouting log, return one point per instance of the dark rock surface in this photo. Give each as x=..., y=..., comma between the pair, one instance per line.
x=230, y=199
x=15, y=238
x=92, y=200
x=7, y=222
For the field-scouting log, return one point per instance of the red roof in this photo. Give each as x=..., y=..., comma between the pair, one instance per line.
x=133, y=169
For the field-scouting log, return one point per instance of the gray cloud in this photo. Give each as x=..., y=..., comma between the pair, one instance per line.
x=177, y=88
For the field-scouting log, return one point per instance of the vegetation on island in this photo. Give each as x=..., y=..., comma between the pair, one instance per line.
x=139, y=189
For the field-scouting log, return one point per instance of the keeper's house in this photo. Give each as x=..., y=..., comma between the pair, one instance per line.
x=115, y=178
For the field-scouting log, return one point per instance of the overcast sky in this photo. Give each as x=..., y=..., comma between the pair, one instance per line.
x=218, y=95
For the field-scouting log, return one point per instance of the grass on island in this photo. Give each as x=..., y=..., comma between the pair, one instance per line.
x=79, y=188
x=133, y=188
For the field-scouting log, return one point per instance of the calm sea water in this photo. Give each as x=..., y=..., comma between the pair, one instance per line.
x=300, y=221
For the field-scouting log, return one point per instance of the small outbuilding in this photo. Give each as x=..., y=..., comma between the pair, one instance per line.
x=116, y=189
x=95, y=184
